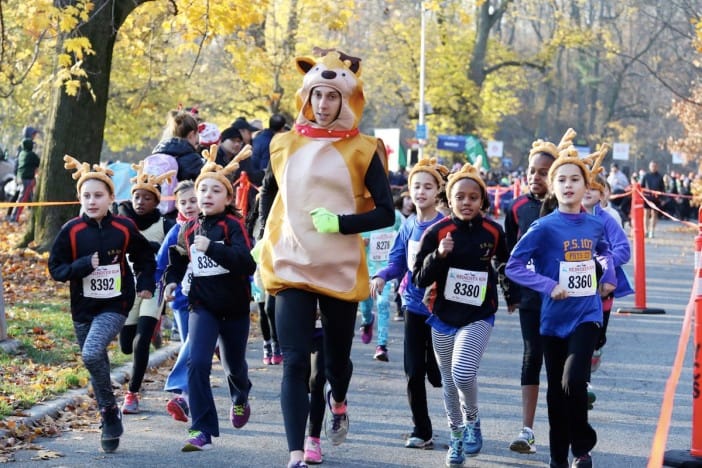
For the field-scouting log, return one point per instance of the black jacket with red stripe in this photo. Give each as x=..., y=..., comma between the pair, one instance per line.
x=476, y=243
x=523, y=211
x=114, y=237
x=226, y=295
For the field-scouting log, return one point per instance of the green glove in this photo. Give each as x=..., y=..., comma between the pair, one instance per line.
x=324, y=220
x=256, y=252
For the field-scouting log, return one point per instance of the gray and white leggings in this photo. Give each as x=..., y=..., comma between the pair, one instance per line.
x=459, y=358
x=93, y=339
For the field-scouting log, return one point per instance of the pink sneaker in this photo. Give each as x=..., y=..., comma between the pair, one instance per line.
x=367, y=330
x=277, y=357
x=178, y=409
x=313, y=451
x=131, y=403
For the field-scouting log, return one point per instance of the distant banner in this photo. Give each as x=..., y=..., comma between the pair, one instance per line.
x=455, y=143
x=474, y=149
x=620, y=151
x=391, y=138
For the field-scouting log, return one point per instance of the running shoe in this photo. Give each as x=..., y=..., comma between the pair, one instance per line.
x=525, y=442
x=472, y=438
x=455, y=456
x=313, y=451
x=112, y=428
x=178, y=408
x=419, y=443
x=197, y=442
x=381, y=353
x=131, y=403
x=583, y=461
x=336, y=425
x=239, y=415
x=267, y=354
x=367, y=330
x=277, y=354
x=297, y=464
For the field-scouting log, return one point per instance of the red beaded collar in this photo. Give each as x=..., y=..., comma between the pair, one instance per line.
x=316, y=132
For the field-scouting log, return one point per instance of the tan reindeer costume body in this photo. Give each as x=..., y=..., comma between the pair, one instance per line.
x=329, y=167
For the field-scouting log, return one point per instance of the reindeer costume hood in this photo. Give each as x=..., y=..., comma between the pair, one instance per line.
x=336, y=70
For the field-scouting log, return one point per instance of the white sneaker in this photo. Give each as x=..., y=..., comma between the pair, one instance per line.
x=525, y=442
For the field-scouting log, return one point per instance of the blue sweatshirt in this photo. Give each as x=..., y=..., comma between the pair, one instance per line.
x=407, y=243
x=181, y=300
x=621, y=251
x=556, y=243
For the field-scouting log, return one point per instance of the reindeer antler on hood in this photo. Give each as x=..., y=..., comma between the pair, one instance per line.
x=84, y=173
x=215, y=171
x=594, y=161
x=150, y=182
x=432, y=167
x=568, y=154
x=472, y=172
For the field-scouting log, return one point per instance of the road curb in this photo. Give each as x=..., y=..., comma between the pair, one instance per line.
x=120, y=375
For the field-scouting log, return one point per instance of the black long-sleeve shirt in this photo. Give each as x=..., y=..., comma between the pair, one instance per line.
x=476, y=243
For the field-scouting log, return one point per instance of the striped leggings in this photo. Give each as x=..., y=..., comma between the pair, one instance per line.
x=459, y=358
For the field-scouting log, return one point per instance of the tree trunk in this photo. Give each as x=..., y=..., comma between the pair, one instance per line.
x=76, y=123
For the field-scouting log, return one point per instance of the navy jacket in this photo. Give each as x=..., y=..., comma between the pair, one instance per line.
x=226, y=295
x=189, y=161
x=114, y=237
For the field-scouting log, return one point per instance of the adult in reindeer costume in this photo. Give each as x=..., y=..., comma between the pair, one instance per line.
x=326, y=183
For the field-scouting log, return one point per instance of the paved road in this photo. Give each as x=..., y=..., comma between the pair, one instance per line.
x=629, y=385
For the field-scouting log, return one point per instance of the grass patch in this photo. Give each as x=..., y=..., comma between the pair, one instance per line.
x=48, y=362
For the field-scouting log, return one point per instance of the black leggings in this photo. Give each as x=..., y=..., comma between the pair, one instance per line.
x=317, y=397
x=266, y=312
x=295, y=315
x=137, y=339
x=568, y=363
x=533, y=356
x=420, y=364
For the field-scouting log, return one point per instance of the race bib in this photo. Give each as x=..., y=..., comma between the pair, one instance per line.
x=465, y=286
x=204, y=265
x=103, y=283
x=412, y=251
x=578, y=278
x=187, y=280
x=379, y=246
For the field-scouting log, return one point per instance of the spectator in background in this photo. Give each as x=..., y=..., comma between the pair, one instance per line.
x=232, y=142
x=261, y=152
x=653, y=182
x=27, y=132
x=619, y=183
x=245, y=128
x=617, y=180
x=208, y=135
x=398, y=179
x=685, y=191
x=27, y=167
x=180, y=140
